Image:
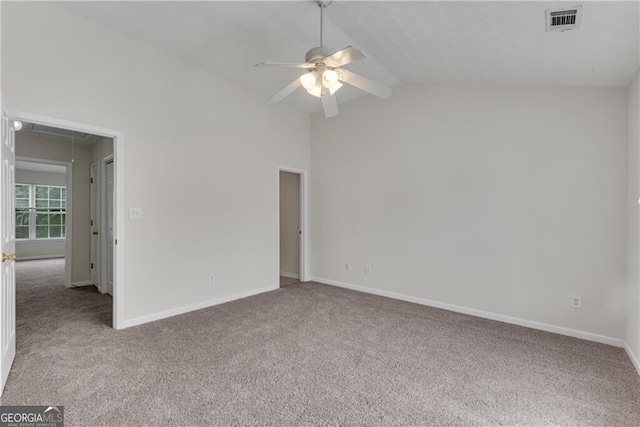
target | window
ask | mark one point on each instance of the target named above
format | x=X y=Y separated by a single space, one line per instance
x=22 y=211
x=41 y=211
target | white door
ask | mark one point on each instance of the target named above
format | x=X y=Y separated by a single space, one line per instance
x=109 y=223
x=95 y=227
x=8 y=247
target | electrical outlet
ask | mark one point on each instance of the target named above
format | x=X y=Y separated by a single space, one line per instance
x=576 y=301
x=212 y=279
x=347 y=266
x=367 y=270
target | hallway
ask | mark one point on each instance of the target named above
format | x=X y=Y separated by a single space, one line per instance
x=44 y=304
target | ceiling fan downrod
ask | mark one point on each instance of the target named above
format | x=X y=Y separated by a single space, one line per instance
x=322 y=4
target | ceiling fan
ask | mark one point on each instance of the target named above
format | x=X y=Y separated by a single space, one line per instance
x=324 y=76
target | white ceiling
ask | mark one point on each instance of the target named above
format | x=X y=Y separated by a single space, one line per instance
x=451 y=41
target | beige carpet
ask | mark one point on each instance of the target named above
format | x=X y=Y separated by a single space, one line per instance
x=286 y=281
x=306 y=354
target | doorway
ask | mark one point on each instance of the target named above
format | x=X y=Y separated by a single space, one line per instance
x=43 y=190
x=292 y=224
x=10 y=124
x=112 y=155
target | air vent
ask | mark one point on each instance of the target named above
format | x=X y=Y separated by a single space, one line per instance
x=564 y=19
x=52 y=131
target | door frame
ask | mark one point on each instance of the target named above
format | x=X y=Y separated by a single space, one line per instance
x=102 y=191
x=119 y=236
x=68 y=268
x=304 y=220
x=96 y=258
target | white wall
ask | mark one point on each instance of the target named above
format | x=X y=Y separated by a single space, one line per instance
x=40 y=249
x=44 y=178
x=36 y=249
x=61 y=150
x=290 y=224
x=501 y=199
x=200 y=157
x=633 y=222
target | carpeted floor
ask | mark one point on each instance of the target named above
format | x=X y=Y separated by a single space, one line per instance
x=286 y=281
x=306 y=354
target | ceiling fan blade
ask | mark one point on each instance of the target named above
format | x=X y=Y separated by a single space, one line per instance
x=329 y=104
x=343 y=57
x=364 y=84
x=286 y=91
x=286 y=64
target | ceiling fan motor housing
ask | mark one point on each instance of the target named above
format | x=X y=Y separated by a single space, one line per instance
x=317 y=54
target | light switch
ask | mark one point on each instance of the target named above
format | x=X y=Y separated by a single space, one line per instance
x=135 y=213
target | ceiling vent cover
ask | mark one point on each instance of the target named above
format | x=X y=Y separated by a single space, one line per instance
x=564 y=19
x=52 y=131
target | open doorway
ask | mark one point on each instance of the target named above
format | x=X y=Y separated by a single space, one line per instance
x=45 y=141
x=292 y=226
x=42 y=189
x=53 y=210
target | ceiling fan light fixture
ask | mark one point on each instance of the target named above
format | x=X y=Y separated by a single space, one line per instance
x=315 y=92
x=308 y=80
x=333 y=89
x=329 y=78
x=316 y=89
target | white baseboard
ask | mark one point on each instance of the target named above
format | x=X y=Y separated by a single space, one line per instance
x=35 y=257
x=633 y=357
x=83 y=283
x=193 y=307
x=478 y=313
x=290 y=275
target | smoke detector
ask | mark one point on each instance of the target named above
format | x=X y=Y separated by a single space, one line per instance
x=564 y=19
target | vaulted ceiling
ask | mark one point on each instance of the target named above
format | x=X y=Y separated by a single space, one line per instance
x=499 y=42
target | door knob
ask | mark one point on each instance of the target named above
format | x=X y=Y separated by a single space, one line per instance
x=95 y=233
x=9 y=257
